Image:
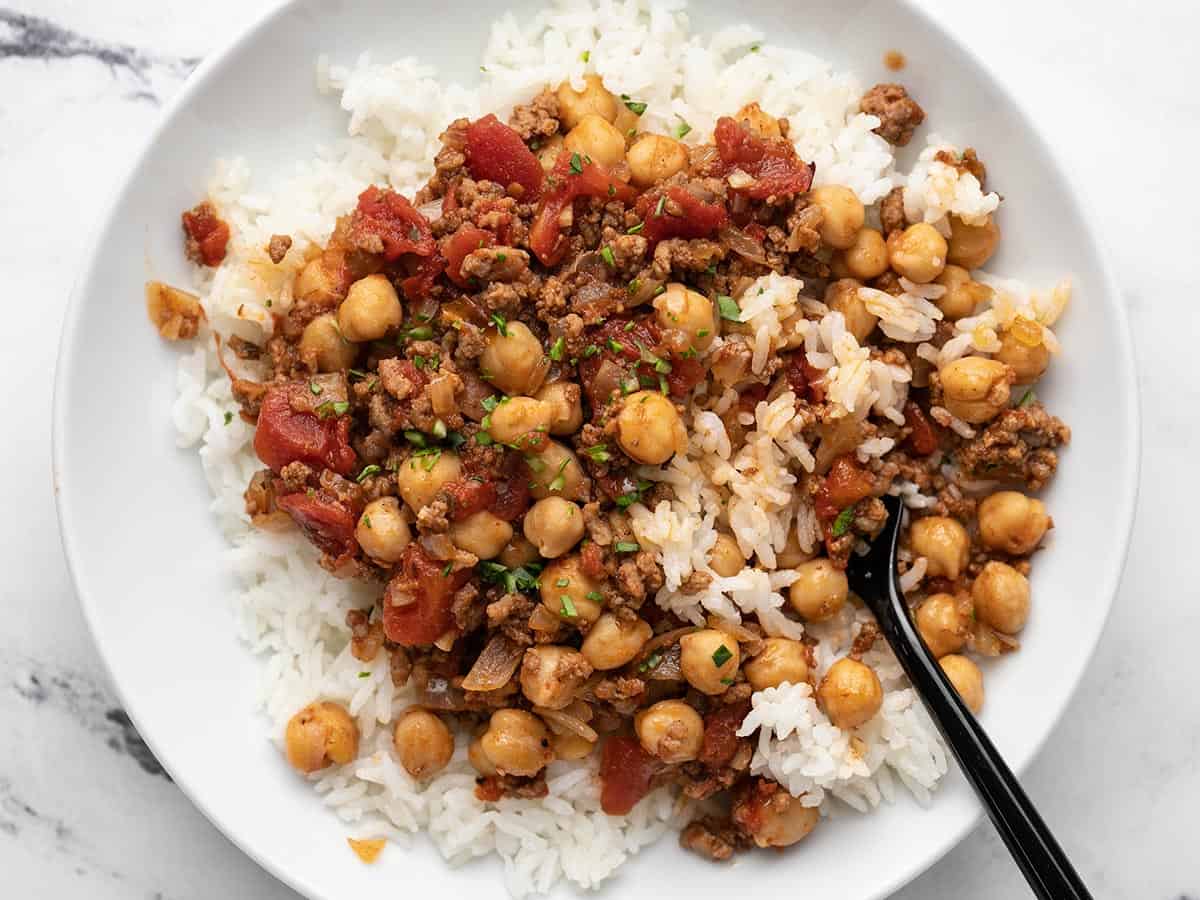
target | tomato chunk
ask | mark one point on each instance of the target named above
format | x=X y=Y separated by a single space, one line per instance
x=328 y=522
x=626 y=771
x=288 y=433
x=207 y=235
x=675 y=212
x=469 y=496
x=720 y=734
x=418 y=285
x=772 y=163
x=459 y=246
x=846 y=484
x=923 y=439
x=386 y=223
x=572 y=177
x=429 y=615
x=806 y=380
x=496 y=153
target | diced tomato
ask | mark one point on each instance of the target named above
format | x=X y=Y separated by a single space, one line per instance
x=459 y=246
x=511 y=484
x=685 y=374
x=207 y=234
x=428 y=616
x=450 y=198
x=675 y=212
x=469 y=496
x=384 y=214
x=803 y=378
x=418 y=285
x=756 y=232
x=772 y=162
x=328 y=522
x=496 y=153
x=846 y=483
x=720 y=734
x=626 y=771
x=285 y=434
x=570 y=178
x=923 y=439
x=619 y=342
x=591 y=559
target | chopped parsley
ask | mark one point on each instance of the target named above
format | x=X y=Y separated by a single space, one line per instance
x=562 y=582
x=456 y=439
x=842 y=523
x=721 y=656
x=590 y=350
x=332 y=408
x=1030 y=397
x=568 y=607
x=501 y=257
x=419 y=361
x=364 y=674
x=315 y=388
x=728 y=308
x=559 y=481
x=634 y=284
x=704 y=332
x=636 y=229
x=537 y=465
x=627 y=546
x=711 y=270
x=367 y=521
x=651 y=662
x=576 y=164
x=228 y=417
x=598 y=453
x=594 y=596
x=414 y=437
x=490 y=403
x=483 y=439
x=754 y=48
x=429 y=457
x=366 y=473
x=636 y=107
x=615 y=346
x=606 y=254
x=447 y=569
x=420 y=333
x=357 y=373
x=501 y=324
x=585 y=55
x=556 y=349
x=726 y=681
x=683 y=128
x=662 y=201
x=628 y=499
x=522 y=578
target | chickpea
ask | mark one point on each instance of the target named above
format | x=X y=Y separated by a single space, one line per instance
x=918 y=252
x=781 y=660
x=670 y=730
x=759 y=122
x=1028 y=363
x=850 y=693
x=423 y=743
x=972 y=245
x=1001 y=596
x=1011 y=522
x=556 y=472
x=843 y=297
x=382 y=530
x=597 y=138
x=975 y=389
x=320 y=735
x=867 y=257
x=725 y=558
x=962 y=294
x=685 y=310
x=654 y=158
x=569 y=593
x=518 y=552
x=554 y=525
x=820 y=592
x=515 y=417
x=792 y=554
x=594 y=99
x=782 y=820
x=966 y=678
x=322 y=341
x=944 y=544
x=482 y=534
x=566 y=410
x=709 y=660
x=626 y=122
x=370 y=310
x=319 y=282
x=418 y=485
x=649 y=429
x=942 y=624
x=549 y=150
x=842 y=214
x=514 y=361
x=477 y=758
x=550 y=675
x=516 y=743
x=571 y=746
x=612 y=642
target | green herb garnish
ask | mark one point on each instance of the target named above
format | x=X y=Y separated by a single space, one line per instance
x=662 y=202
x=606 y=254
x=598 y=453
x=721 y=656
x=522 y=578
x=568 y=607
x=366 y=473
x=315 y=388
x=414 y=437
x=651 y=662
x=728 y=308
x=420 y=333
x=1030 y=397
x=559 y=481
x=556 y=349
x=585 y=55
x=683 y=128
x=627 y=546
x=590 y=350
x=615 y=346
x=636 y=229
x=576 y=164
x=842 y=523
x=228 y=417
x=501 y=324
x=634 y=106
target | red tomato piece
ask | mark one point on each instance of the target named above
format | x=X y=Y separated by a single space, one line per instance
x=496 y=153
x=626 y=771
x=571 y=177
x=675 y=212
x=685 y=374
x=469 y=496
x=459 y=246
x=772 y=162
x=384 y=215
x=429 y=616
x=286 y=434
x=720 y=734
x=846 y=484
x=804 y=379
x=328 y=522
x=207 y=235
x=618 y=343
x=923 y=439
x=591 y=559
x=418 y=285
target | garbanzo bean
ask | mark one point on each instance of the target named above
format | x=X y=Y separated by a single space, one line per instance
x=370 y=310
x=418 y=485
x=709 y=660
x=942 y=623
x=867 y=257
x=685 y=310
x=566 y=408
x=478 y=759
x=850 y=693
x=320 y=735
x=1012 y=522
x=550 y=675
x=653 y=158
x=843 y=296
x=570 y=746
x=382 y=530
x=1028 y=361
x=962 y=294
x=842 y=214
x=759 y=122
x=597 y=138
x=513 y=361
x=944 y=544
x=518 y=552
x=966 y=678
x=971 y=246
x=780 y=660
x=781 y=820
x=554 y=526
x=649 y=429
x=975 y=389
x=569 y=593
x=594 y=99
x=481 y=533
x=725 y=558
x=515 y=417
x=1001 y=596
x=612 y=642
x=670 y=730
x=820 y=592
x=318 y=282
x=548 y=151
x=556 y=472
x=792 y=554
x=516 y=743
x=918 y=252
x=423 y=743
x=322 y=342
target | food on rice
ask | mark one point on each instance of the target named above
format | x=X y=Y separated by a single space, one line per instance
x=543 y=419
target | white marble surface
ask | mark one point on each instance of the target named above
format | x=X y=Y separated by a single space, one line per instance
x=84 y=810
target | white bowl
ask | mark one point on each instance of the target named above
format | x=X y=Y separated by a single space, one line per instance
x=147 y=558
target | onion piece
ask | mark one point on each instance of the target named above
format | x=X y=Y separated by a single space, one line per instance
x=742 y=244
x=431 y=210
x=495 y=666
x=541 y=619
x=667 y=637
x=438 y=693
x=567 y=722
x=442 y=391
x=838 y=437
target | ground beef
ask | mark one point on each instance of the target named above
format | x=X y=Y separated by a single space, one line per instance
x=1019 y=446
x=714 y=839
x=496 y=264
x=278 y=247
x=678 y=255
x=491 y=788
x=433 y=517
x=804 y=227
x=468 y=613
x=968 y=163
x=899 y=114
x=891 y=212
x=537 y=119
x=695 y=583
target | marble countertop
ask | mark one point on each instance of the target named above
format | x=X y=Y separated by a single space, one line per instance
x=84 y=808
